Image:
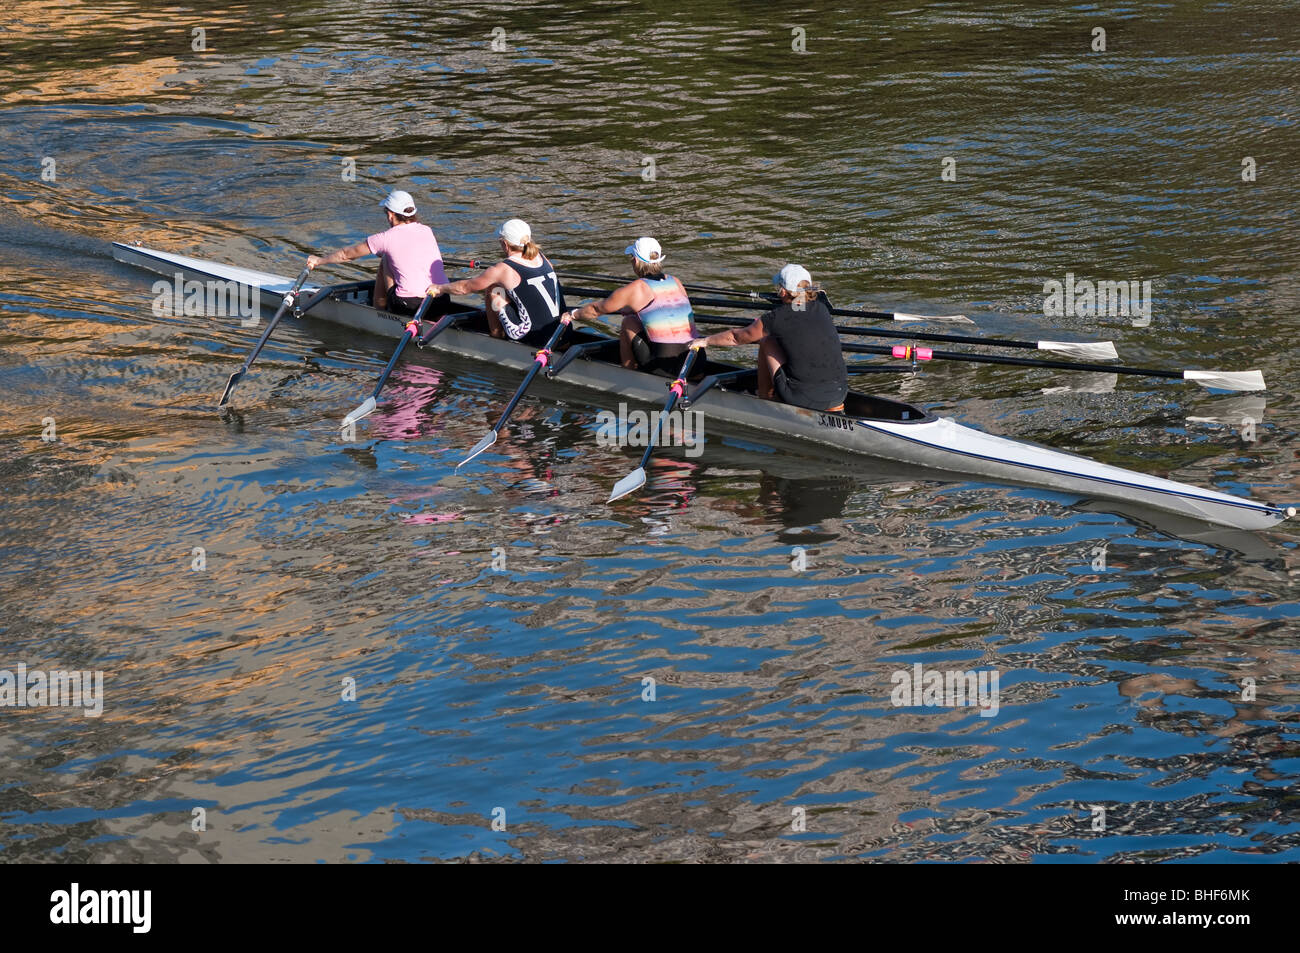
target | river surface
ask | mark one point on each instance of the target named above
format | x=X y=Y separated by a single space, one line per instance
x=315 y=649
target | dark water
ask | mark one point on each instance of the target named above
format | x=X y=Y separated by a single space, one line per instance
x=521 y=687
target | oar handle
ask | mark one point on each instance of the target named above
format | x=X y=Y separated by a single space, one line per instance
x=291 y=295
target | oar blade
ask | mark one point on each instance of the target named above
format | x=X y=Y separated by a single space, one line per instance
x=629 y=484
x=365 y=410
x=1082 y=350
x=230 y=385
x=1227 y=380
x=943 y=318
x=489 y=438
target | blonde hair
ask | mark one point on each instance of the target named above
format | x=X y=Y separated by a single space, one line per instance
x=808 y=292
x=529 y=249
x=647 y=269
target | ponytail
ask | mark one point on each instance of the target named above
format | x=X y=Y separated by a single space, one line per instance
x=530 y=249
x=808 y=293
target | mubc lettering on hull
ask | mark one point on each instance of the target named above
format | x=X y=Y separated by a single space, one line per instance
x=835 y=421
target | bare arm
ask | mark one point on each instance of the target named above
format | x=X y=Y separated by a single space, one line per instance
x=631 y=297
x=750 y=335
x=496 y=275
x=359 y=250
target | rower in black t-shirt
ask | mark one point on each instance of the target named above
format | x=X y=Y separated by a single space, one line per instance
x=799 y=356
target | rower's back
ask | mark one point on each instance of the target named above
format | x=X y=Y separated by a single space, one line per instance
x=813 y=371
x=668 y=318
x=537 y=299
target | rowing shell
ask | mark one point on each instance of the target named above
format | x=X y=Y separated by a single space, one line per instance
x=870 y=426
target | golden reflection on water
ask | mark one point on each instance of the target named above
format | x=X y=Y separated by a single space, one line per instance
x=325 y=561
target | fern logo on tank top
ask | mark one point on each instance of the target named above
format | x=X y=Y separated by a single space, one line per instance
x=520 y=323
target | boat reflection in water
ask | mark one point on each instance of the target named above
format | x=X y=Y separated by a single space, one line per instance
x=445 y=408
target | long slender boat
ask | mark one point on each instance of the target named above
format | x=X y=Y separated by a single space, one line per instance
x=870 y=426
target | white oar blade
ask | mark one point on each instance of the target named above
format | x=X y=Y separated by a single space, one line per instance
x=1084 y=351
x=488 y=439
x=365 y=410
x=1227 y=380
x=629 y=484
x=946 y=318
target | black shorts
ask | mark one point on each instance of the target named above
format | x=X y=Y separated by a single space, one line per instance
x=788 y=393
x=663 y=359
x=406 y=307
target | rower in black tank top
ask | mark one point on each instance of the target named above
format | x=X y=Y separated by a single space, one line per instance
x=536 y=304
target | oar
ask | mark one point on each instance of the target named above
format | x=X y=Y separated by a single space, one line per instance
x=764 y=301
x=289 y=298
x=1092 y=351
x=750 y=299
x=1224 y=380
x=636 y=479
x=542 y=358
x=412 y=329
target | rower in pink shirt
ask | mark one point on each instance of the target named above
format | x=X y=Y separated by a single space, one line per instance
x=409 y=260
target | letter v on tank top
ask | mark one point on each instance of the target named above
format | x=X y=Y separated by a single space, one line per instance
x=668 y=318
x=538 y=301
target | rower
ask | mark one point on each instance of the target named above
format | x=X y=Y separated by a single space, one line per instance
x=658 y=324
x=523 y=297
x=799 y=356
x=408 y=259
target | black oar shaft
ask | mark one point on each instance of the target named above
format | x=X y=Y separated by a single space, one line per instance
x=540 y=361
x=1019 y=361
x=290 y=297
x=761 y=300
x=886 y=333
x=412 y=328
x=747 y=299
x=675 y=391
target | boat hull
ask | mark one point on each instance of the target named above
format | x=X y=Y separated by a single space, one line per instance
x=871 y=427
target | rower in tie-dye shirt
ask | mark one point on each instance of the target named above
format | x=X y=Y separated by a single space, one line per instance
x=658 y=322
x=668 y=318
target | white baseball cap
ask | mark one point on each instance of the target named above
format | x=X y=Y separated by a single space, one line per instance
x=790 y=278
x=647 y=249
x=516 y=232
x=399 y=203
